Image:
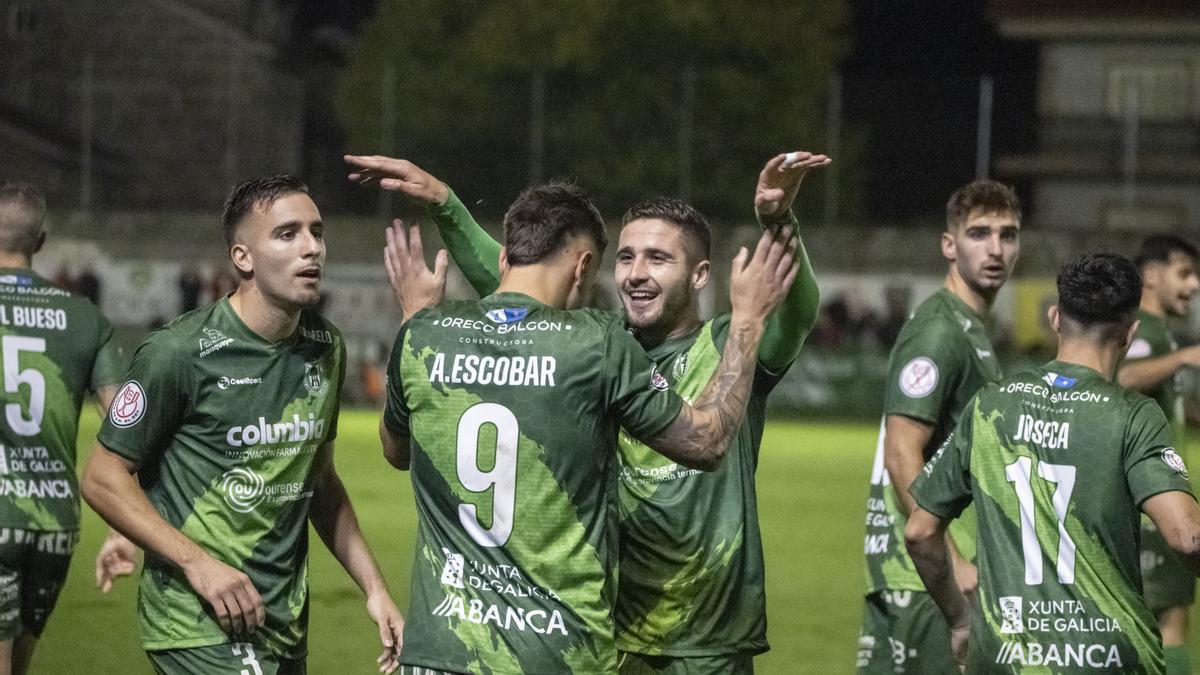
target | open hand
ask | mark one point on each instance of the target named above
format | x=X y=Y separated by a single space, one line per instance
x=780 y=179
x=758 y=283
x=414 y=285
x=397 y=175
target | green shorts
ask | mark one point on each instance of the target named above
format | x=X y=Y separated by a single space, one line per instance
x=33 y=567
x=231 y=658
x=904 y=632
x=1166 y=582
x=739 y=663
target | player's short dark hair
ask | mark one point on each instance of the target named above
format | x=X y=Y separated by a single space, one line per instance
x=988 y=196
x=697 y=236
x=1100 y=293
x=22 y=212
x=543 y=217
x=1157 y=248
x=252 y=194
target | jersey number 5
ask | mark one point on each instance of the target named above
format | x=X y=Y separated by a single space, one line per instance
x=1020 y=474
x=14 y=377
x=501 y=479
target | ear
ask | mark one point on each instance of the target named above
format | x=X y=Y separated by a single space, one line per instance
x=582 y=264
x=1054 y=317
x=949 y=247
x=41 y=241
x=243 y=261
x=503 y=260
x=1129 y=336
x=700 y=274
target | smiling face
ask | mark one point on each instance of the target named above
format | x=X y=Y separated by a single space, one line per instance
x=281 y=247
x=984 y=249
x=656 y=278
x=1174 y=282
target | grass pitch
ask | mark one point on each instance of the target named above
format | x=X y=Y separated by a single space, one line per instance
x=812 y=488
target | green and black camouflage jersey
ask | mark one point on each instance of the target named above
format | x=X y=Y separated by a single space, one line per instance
x=942 y=357
x=55 y=346
x=1058 y=462
x=691 y=580
x=1153 y=340
x=225 y=427
x=513 y=410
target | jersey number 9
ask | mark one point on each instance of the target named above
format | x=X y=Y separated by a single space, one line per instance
x=501 y=479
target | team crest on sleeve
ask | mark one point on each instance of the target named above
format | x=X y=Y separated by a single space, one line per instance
x=1174 y=461
x=128 y=405
x=1138 y=349
x=919 y=377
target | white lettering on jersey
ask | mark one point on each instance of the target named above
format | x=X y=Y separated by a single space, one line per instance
x=1046 y=433
x=514 y=371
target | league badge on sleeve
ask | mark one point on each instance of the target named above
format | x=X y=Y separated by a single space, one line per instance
x=657 y=381
x=1139 y=349
x=128 y=405
x=919 y=377
x=1174 y=461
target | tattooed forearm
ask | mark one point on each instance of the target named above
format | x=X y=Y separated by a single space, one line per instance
x=701 y=434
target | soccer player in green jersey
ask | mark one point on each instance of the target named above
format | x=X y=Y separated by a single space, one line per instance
x=942 y=356
x=54 y=346
x=691 y=594
x=218 y=450
x=517 y=562
x=1058 y=461
x=1169 y=282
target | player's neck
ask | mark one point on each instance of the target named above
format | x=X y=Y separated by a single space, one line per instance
x=1080 y=351
x=266 y=319
x=1152 y=306
x=653 y=336
x=540 y=282
x=15 y=260
x=980 y=302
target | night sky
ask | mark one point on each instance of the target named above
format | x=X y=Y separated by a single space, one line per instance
x=910 y=85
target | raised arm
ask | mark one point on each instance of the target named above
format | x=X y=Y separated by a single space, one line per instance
x=473 y=249
x=700 y=435
x=332 y=516
x=778 y=183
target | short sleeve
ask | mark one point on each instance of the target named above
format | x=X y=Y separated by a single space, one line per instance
x=148 y=409
x=636 y=393
x=1152 y=466
x=924 y=370
x=109 y=366
x=337 y=397
x=943 y=487
x=396 y=412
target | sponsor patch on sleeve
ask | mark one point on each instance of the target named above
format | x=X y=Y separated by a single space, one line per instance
x=1138 y=349
x=1174 y=461
x=657 y=381
x=128 y=405
x=919 y=377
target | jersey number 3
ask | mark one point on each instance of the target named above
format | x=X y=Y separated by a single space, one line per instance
x=1020 y=474
x=14 y=377
x=501 y=479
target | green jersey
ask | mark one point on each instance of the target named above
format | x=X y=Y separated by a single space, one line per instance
x=225 y=426
x=55 y=346
x=691 y=579
x=1153 y=340
x=513 y=409
x=1058 y=461
x=942 y=357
